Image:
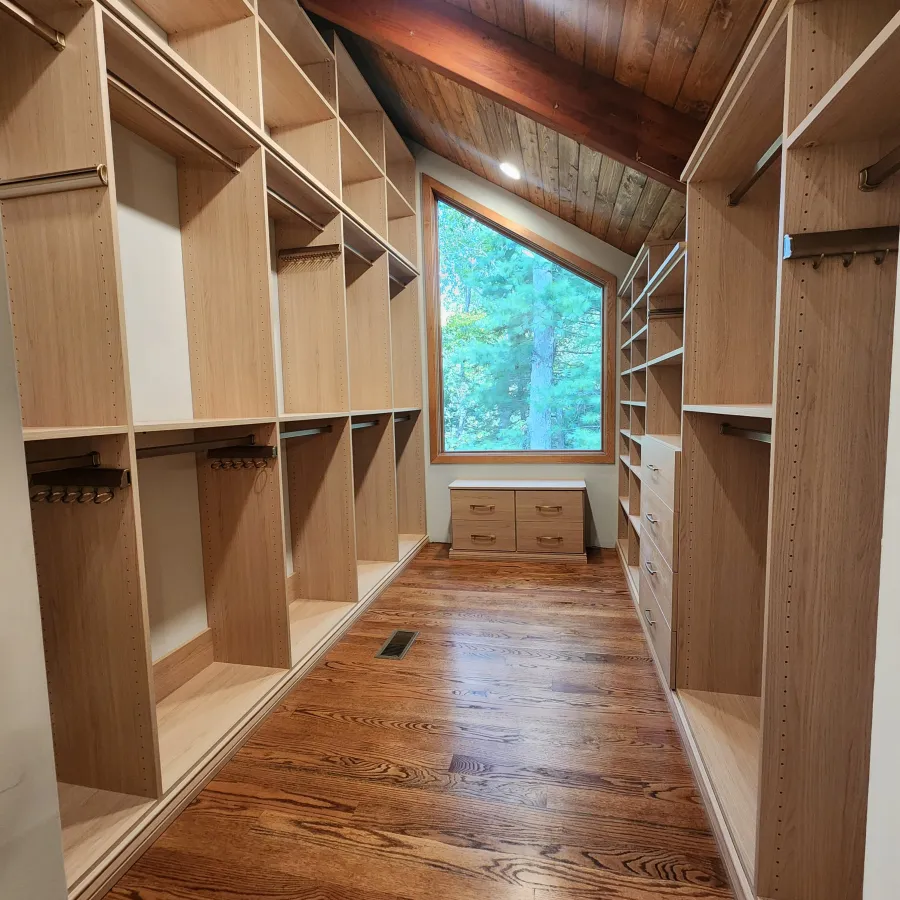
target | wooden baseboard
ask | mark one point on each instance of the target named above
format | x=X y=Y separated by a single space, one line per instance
x=182 y=664
x=497 y=555
x=110 y=868
x=737 y=875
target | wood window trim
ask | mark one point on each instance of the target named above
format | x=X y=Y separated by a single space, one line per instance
x=432 y=191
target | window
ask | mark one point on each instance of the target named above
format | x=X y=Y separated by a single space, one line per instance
x=520 y=367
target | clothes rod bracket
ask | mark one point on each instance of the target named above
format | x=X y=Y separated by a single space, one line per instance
x=53 y=37
x=763 y=164
x=55 y=182
x=847 y=244
x=748 y=434
x=872 y=177
x=305 y=432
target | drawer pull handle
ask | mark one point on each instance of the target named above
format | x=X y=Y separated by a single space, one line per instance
x=652 y=468
x=490 y=538
x=548 y=508
x=651 y=519
x=650 y=568
x=488 y=506
x=548 y=538
x=649 y=617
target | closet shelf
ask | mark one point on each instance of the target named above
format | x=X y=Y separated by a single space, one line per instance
x=290 y=99
x=357 y=164
x=623 y=502
x=175 y=16
x=864 y=103
x=668 y=279
x=295 y=32
x=635 y=470
x=673 y=440
x=625 y=459
x=400 y=269
x=71 y=431
x=752 y=410
x=405 y=409
x=186 y=424
x=398 y=206
x=726 y=728
x=638 y=403
x=672 y=358
x=635 y=524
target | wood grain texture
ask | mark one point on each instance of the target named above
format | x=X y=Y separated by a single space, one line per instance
x=182 y=664
x=101 y=691
x=225 y=243
x=540 y=759
x=409 y=440
x=551 y=88
x=319 y=473
x=243 y=559
x=375 y=489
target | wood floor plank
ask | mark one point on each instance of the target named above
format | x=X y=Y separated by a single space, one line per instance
x=522 y=750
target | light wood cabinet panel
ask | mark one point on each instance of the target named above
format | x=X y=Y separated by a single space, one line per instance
x=659 y=469
x=655 y=568
x=655 y=626
x=482 y=535
x=484 y=506
x=658 y=522
x=565 y=536
x=549 y=506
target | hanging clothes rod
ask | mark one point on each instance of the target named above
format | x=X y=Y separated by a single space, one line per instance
x=763 y=164
x=305 y=432
x=666 y=313
x=54 y=38
x=748 y=434
x=396 y=280
x=161 y=115
x=402 y=418
x=356 y=253
x=847 y=244
x=243 y=442
x=875 y=175
x=84 y=461
x=290 y=207
x=55 y=182
x=357 y=425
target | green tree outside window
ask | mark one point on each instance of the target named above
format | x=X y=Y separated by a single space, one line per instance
x=522 y=355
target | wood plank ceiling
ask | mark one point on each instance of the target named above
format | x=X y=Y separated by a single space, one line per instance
x=679 y=52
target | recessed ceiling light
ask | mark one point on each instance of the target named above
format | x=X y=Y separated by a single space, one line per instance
x=507 y=168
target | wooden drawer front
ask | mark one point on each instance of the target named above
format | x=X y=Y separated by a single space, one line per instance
x=659 y=464
x=481 y=535
x=658 y=521
x=549 y=506
x=563 y=536
x=659 y=576
x=655 y=626
x=484 y=506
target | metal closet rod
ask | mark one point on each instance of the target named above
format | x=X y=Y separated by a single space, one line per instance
x=55 y=182
x=294 y=209
x=748 y=434
x=159 y=113
x=402 y=418
x=847 y=244
x=53 y=37
x=356 y=253
x=84 y=461
x=355 y=426
x=245 y=442
x=305 y=432
x=763 y=164
x=875 y=175
x=666 y=313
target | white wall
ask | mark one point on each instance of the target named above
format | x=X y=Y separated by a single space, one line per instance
x=883 y=827
x=153 y=279
x=31 y=861
x=602 y=481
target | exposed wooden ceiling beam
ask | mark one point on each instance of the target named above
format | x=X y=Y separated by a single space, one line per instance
x=591 y=109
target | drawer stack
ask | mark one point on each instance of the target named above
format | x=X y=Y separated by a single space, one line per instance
x=659 y=547
x=518 y=519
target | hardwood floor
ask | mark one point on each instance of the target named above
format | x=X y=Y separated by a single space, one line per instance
x=522 y=750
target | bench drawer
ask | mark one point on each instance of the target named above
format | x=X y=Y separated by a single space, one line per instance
x=484 y=506
x=550 y=506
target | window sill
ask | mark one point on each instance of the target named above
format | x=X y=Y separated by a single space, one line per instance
x=526 y=457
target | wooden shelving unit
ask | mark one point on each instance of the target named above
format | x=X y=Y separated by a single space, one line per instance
x=776 y=549
x=217 y=314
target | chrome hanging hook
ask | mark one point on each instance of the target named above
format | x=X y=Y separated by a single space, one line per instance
x=849 y=259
